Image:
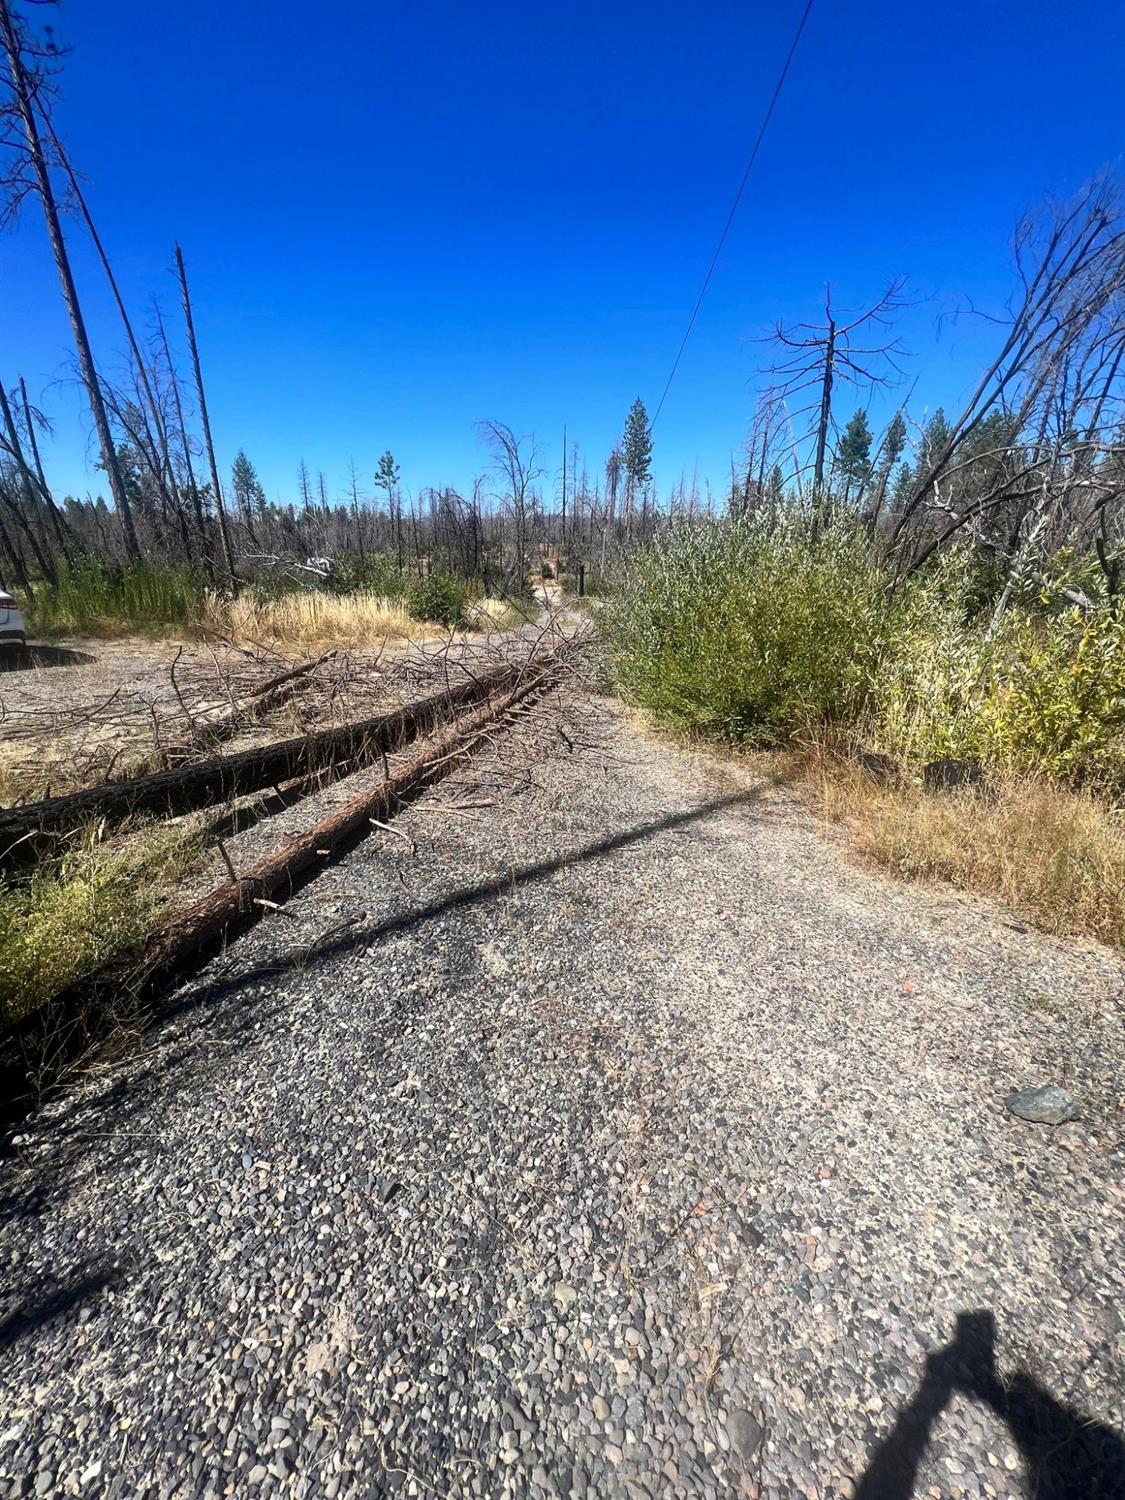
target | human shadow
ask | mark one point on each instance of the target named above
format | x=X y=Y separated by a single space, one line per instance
x=36 y=654
x=54 y=1302
x=1067 y=1455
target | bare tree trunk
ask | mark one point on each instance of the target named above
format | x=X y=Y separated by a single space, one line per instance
x=193 y=347
x=66 y=279
x=9 y=545
x=127 y=324
x=22 y=522
x=825 y=416
x=193 y=488
x=57 y=521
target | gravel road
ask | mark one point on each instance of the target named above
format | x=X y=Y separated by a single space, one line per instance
x=619 y=1138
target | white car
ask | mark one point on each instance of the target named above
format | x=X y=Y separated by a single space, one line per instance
x=13 y=631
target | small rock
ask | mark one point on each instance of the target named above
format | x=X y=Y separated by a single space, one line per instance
x=953 y=775
x=1045 y=1104
x=745 y=1433
x=565 y=1294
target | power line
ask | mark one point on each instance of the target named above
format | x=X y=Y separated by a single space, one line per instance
x=730 y=217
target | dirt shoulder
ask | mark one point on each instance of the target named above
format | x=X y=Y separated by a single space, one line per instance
x=612 y=1136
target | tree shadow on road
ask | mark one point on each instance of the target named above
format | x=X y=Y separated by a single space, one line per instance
x=50 y=1303
x=25 y=658
x=365 y=936
x=1067 y=1455
x=221 y=1030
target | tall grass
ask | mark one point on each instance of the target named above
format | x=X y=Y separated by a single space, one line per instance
x=351 y=607
x=95 y=598
x=1053 y=855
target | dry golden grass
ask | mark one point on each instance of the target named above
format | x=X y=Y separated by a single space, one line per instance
x=1054 y=856
x=312 y=619
x=495 y=614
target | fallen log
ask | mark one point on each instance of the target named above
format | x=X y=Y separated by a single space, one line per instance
x=40 y=1048
x=241 y=901
x=218 y=778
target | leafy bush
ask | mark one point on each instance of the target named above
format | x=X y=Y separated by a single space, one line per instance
x=756 y=632
x=752 y=631
x=439 y=596
x=1046 y=693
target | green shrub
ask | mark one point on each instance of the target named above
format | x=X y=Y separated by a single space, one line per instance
x=74 y=916
x=440 y=597
x=1046 y=693
x=750 y=630
x=756 y=632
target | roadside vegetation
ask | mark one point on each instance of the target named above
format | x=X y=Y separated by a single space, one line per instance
x=790 y=632
x=347 y=606
x=72 y=916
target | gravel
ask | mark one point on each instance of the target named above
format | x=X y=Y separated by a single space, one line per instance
x=624 y=1139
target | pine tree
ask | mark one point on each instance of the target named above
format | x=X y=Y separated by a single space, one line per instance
x=636 y=447
x=853 y=457
x=934 y=438
x=902 y=489
x=248 y=493
x=775 y=486
x=895 y=441
x=386 y=479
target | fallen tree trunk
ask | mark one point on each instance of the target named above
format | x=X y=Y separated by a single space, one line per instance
x=41 y=1047
x=241 y=901
x=219 y=778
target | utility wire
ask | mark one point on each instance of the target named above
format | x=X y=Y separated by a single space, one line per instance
x=730 y=216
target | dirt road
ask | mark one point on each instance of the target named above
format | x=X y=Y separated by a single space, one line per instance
x=617 y=1138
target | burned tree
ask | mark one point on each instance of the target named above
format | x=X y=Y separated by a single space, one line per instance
x=25 y=91
x=1035 y=455
x=822 y=356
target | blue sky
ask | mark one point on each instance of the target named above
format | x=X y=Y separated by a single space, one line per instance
x=399 y=219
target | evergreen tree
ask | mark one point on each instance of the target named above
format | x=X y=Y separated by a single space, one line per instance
x=386 y=478
x=934 y=438
x=775 y=486
x=636 y=447
x=895 y=441
x=387 y=474
x=853 y=457
x=902 y=489
x=248 y=493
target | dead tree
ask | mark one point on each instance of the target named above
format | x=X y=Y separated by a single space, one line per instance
x=189 y=468
x=823 y=355
x=28 y=85
x=33 y=482
x=516 y=462
x=201 y=399
x=1031 y=441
